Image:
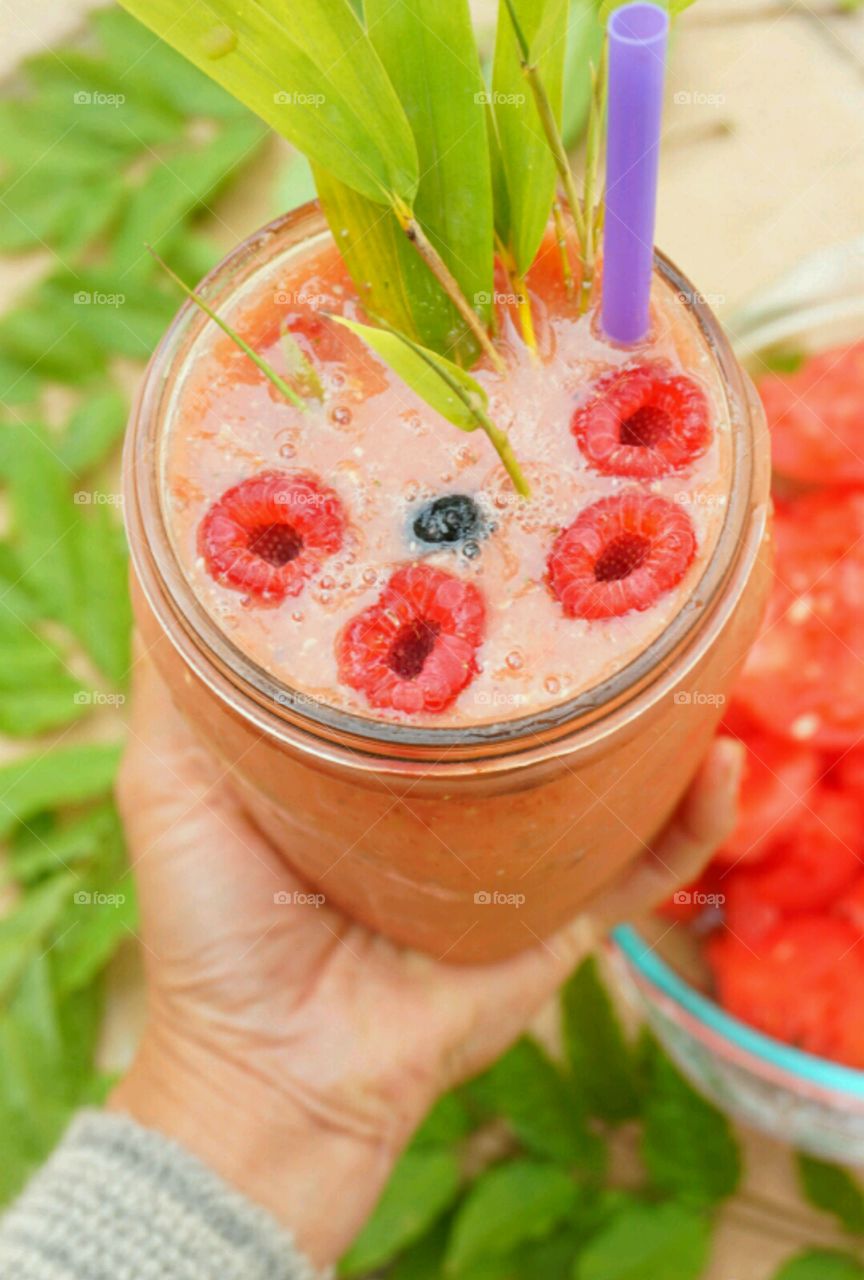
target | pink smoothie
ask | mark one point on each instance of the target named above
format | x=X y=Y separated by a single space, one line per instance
x=387 y=455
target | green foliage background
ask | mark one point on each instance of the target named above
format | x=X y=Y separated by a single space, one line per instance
x=105 y=143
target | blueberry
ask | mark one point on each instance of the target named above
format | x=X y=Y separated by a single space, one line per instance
x=455 y=518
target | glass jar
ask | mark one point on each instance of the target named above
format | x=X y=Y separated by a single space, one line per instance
x=469 y=843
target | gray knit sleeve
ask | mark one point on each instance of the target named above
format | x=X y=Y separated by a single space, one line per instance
x=120 y=1202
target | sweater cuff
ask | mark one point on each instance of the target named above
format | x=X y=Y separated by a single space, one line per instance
x=117 y=1201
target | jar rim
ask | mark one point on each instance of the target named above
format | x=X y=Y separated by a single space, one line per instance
x=282 y=709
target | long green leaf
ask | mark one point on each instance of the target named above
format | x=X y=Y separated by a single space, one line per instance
x=314 y=76
x=529 y=166
x=393 y=281
x=429 y=52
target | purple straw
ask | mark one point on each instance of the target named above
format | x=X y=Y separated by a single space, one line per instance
x=638 y=35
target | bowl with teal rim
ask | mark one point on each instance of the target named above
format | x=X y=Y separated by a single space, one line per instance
x=811 y=1102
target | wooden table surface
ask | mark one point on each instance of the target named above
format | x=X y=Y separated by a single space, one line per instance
x=763 y=162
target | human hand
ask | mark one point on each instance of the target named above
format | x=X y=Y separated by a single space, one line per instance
x=288 y=1047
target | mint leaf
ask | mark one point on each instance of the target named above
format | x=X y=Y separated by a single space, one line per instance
x=530 y=1091
x=507 y=1206
x=833 y=1190
x=423 y=1185
x=43 y=848
x=103 y=914
x=648 y=1242
x=93 y=431
x=602 y=1063
x=25 y=929
x=687 y=1144
x=49 y=780
x=103 y=613
x=448 y=1122
x=821 y=1264
x=37 y=690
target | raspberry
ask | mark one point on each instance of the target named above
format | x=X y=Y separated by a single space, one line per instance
x=268 y=534
x=643 y=421
x=815 y=417
x=414 y=650
x=619 y=554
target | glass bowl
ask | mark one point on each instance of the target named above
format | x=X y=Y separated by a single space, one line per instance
x=813 y=1103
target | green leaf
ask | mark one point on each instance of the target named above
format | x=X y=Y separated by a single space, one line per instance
x=833 y=1190
x=429 y=51
x=183 y=181
x=821 y=1264
x=24 y=929
x=507 y=1206
x=529 y=1090
x=37 y=690
x=448 y=1122
x=423 y=1184
x=104 y=913
x=103 y=615
x=528 y=164
x=394 y=282
x=296 y=76
x=584 y=45
x=35 y=853
x=445 y=387
x=93 y=431
x=50 y=780
x=648 y=1242
x=602 y=1063
x=43 y=515
x=687 y=1144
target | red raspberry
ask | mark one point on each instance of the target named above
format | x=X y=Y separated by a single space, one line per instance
x=268 y=534
x=620 y=554
x=643 y=421
x=414 y=650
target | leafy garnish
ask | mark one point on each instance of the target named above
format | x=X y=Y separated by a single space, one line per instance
x=452 y=392
x=833 y=1190
x=602 y=1063
x=424 y=1184
x=821 y=1264
x=260 y=363
x=648 y=1242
